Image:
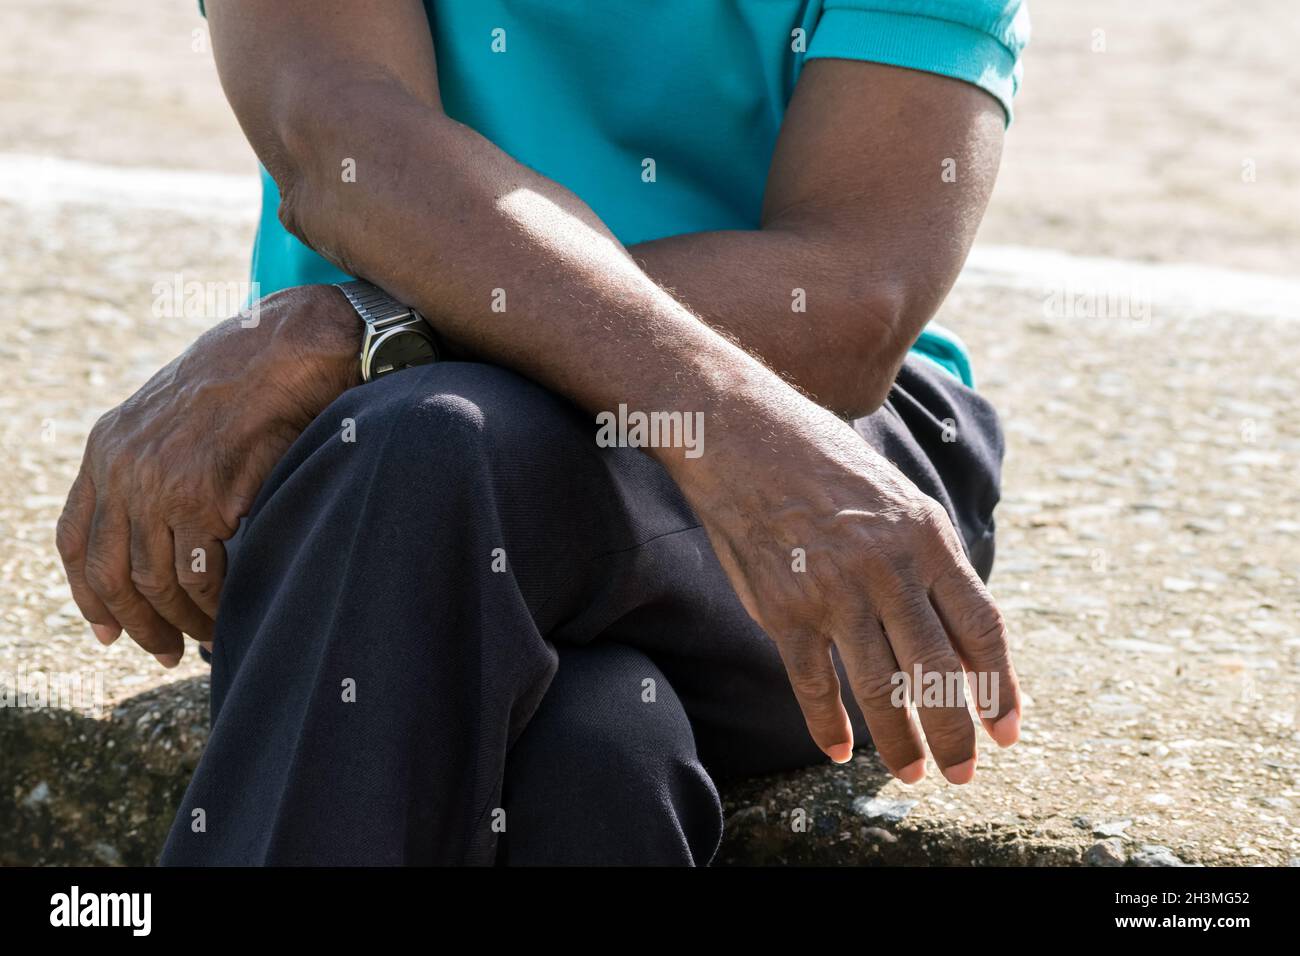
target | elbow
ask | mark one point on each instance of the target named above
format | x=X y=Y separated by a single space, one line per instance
x=302 y=210
x=871 y=341
x=296 y=137
x=323 y=139
x=295 y=125
x=305 y=132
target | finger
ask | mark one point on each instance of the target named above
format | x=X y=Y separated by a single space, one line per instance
x=71 y=536
x=817 y=689
x=876 y=681
x=976 y=629
x=108 y=573
x=153 y=572
x=923 y=651
x=200 y=562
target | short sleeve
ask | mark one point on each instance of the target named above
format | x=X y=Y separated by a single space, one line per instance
x=979 y=41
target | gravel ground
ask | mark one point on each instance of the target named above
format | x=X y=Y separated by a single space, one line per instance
x=1150 y=522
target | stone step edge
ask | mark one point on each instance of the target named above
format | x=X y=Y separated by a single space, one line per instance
x=85 y=790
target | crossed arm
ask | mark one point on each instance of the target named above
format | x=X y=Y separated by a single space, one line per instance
x=855 y=213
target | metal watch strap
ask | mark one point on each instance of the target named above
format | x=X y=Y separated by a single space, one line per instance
x=375 y=306
x=384 y=317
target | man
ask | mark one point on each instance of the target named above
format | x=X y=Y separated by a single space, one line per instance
x=456 y=625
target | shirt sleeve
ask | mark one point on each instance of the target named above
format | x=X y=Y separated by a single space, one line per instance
x=979 y=41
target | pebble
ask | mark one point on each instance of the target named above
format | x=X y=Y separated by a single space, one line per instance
x=1106 y=853
x=107 y=854
x=883 y=808
x=40 y=794
x=1153 y=855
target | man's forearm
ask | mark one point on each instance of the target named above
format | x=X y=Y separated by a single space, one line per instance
x=835 y=331
x=505 y=262
x=831 y=314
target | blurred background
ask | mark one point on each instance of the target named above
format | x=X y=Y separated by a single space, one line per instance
x=1133 y=308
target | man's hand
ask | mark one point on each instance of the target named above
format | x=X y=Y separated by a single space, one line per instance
x=827 y=543
x=168 y=474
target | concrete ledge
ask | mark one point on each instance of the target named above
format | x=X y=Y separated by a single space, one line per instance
x=98 y=791
x=849 y=816
x=102 y=791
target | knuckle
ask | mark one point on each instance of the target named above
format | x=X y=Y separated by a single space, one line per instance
x=203 y=588
x=890 y=564
x=942 y=679
x=986 y=634
x=912 y=603
x=107 y=582
x=151 y=585
x=179 y=503
x=952 y=740
x=930 y=521
x=988 y=627
x=69 y=539
x=914 y=629
x=117 y=480
x=816 y=687
x=880 y=695
x=102 y=424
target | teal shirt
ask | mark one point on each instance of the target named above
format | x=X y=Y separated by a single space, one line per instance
x=586 y=92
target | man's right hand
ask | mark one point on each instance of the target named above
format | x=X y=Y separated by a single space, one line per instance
x=168 y=474
x=881 y=575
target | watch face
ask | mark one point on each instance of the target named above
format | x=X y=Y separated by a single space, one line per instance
x=401 y=348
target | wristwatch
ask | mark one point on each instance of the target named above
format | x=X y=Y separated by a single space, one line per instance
x=396 y=336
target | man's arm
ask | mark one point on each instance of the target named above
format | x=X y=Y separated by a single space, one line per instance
x=859 y=215
x=856 y=213
x=441 y=218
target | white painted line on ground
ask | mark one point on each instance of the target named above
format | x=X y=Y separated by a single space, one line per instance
x=1188 y=290
x=1184 y=289
x=36 y=181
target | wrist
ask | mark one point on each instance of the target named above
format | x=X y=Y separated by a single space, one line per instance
x=735 y=399
x=753 y=421
x=318 y=340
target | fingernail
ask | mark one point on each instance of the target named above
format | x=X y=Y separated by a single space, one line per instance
x=168 y=660
x=1006 y=731
x=913 y=772
x=840 y=753
x=963 y=772
x=106 y=633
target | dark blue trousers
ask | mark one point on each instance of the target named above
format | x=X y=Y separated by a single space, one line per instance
x=455 y=630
